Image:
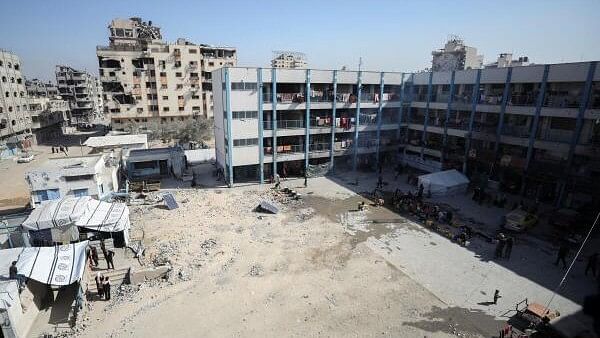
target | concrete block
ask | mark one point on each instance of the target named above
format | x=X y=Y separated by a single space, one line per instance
x=141 y=275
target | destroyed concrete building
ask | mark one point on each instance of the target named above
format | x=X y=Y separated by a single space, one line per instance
x=95 y=176
x=536 y=124
x=455 y=56
x=15 y=122
x=39 y=88
x=288 y=59
x=149 y=82
x=156 y=163
x=49 y=118
x=506 y=60
x=83 y=92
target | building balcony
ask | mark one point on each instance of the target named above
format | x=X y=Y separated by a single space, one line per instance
x=493 y=99
x=319 y=147
x=285 y=149
x=285 y=124
x=556 y=135
x=516 y=131
x=561 y=101
x=522 y=99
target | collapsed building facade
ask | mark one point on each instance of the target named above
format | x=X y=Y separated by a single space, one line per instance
x=15 y=122
x=148 y=82
x=533 y=129
x=83 y=92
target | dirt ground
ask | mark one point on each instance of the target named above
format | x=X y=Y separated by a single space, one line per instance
x=237 y=272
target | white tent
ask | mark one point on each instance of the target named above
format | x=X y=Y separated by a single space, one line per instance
x=80 y=211
x=443 y=183
x=58 y=265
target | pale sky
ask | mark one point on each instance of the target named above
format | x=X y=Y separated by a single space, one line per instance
x=389 y=35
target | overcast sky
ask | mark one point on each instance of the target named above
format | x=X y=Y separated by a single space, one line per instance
x=392 y=35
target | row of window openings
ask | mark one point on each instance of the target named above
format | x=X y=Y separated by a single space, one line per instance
x=12 y=80
x=144 y=120
x=15 y=94
x=17 y=108
x=180 y=97
x=166 y=109
x=10 y=65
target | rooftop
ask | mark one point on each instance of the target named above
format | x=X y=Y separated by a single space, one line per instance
x=115 y=140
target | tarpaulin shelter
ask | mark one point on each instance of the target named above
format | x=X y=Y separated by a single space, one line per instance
x=444 y=183
x=70 y=213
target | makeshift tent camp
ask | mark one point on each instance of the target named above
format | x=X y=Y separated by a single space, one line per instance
x=444 y=183
x=82 y=212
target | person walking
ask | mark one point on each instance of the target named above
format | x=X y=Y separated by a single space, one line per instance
x=13 y=271
x=109 y=259
x=500 y=245
x=563 y=251
x=99 y=279
x=420 y=193
x=509 y=245
x=496 y=296
x=305 y=180
x=94 y=255
x=592 y=263
x=106 y=288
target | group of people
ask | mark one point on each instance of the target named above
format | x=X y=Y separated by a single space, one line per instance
x=108 y=256
x=504 y=246
x=414 y=204
x=60 y=149
x=103 y=286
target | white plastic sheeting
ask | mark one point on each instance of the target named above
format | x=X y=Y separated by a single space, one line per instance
x=444 y=183
x=79 y=211
x=58 y=265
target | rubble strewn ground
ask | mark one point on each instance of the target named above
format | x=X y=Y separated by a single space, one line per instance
x=318 y=267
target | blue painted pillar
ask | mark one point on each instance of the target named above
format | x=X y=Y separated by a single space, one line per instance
x=274 y=117
x=505 y=95
x=448 y=112
x=474 y=100
x=587 y=91
x=379 y=113
x=426 y=122
x=261 y=147
x=229 y=136
x=357 y=122
x=536 y=119
x=307 y=122
x=411 y=96
x=401 y=110
x=333 y=116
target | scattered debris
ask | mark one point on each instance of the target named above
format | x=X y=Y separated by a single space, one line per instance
x=208 y=244
x=305 y=214
x=169 y=200
x=267 y=207
x=256 y=270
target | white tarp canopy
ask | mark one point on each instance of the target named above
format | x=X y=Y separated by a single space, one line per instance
x=443 y=183
x=58 y=265
x=79 y=211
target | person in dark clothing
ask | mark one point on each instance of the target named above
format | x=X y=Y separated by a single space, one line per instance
x=13 y=271
x=563 y=251
x=398 y=171
x=53 y=150
x=99 y=279
x=380 y=182
x=496 y=296
x=305 y=181
x=109 y=259
x=500 y=245
x=106 y=288
x=420 y=193
x=509 y=244
x=592 y=263
x=94 y=255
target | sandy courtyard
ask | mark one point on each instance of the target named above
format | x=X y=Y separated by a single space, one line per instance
x=298 y=273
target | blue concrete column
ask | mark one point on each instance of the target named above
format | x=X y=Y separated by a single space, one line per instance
x=474 y=100
x=401 y=110
x=536 y=119
x=357 y=122
x=410 y=99
x=587 y=91
x=505 y=95
x=274 y=117
x=307 y=122
x=333 y=116
x=448 y=112
x=379 y=113
x=261 y=148
x=229 y=121
x=426 y=122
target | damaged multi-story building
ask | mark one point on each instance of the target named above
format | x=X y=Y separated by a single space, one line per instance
x=49 y=117
x=39 y=88
x=455 y=56
x=15 y=123
x=532 y=129
x=148 y=82
x=83 y=92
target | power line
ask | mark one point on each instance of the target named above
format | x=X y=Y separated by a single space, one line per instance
x=571 y=265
